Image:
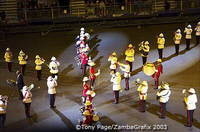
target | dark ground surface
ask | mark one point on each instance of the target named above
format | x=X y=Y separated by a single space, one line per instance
x=181 y=71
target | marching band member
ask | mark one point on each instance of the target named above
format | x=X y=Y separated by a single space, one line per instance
x=197 y=29
x=22 y=61
x=92 y=73
x=144 y=50
x=84 y=62
x=3 y=106
x=177 y=40
x=161 y=45
x=116 y=80
x=20 y=83
x=190 y=101
x=126 y=69
x=87 y=120
x=142 y=89
x=53 y=66
x=163 y=97
x=113 y=59
x=27 y=99
x=86 y=87
x=90 y=95
x=129 y=53
x=8 y=59
x=39 y=61
x=159 y=71
x=52 y=84
x=188 y=36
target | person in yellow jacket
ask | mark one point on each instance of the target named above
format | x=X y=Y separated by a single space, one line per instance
x=161 y=45
x=39 y=61
x=144 y=50
x=113 y=60
x=22 y=58
x=8 y=59
x=177 y=40
x=129 y=53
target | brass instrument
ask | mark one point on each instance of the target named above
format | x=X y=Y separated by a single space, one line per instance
x=149 y=69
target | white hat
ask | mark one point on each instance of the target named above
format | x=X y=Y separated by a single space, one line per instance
x=191 y=90
x=21 y=52
x=114 y=53
x=8 y=49
x=130 y=46
x=1 y=96
x=37 y=57
x=82 y=29
x=159 y=60
x=146 y=42
x=85 y=79
x=178 y=31
x=53 y=58
x=161 y=35
x=189 y=26
x=91 y=63
x=198 y=23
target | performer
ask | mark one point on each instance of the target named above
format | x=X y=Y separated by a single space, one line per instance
x=84 y=62
x=159 y=71
x=126 y=69
x=52 y=84
x=116 y=80
x=3 y=106
x=20 y=83
x=163 y=97
x=161 y=45
x=86 y=87
x=197 y=29
x=177 y=40
x=113 y=59
x=27 y=100
x=87 y=120
x=144 y=50
x=8 y=59
x=190 y=101
x=129 y=53
x=142 y=89
x=90 y=95
x=188 y=31
x=22 y=61
x=92 y=73
x=53 y=66
x=39 y=61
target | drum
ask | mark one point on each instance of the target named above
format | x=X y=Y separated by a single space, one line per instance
x=149 y=69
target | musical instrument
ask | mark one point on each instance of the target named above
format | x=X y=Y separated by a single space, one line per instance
x=149 y=69
x=11 y=83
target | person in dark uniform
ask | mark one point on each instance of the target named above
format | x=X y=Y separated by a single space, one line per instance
x=20 y=83
x=144 y=50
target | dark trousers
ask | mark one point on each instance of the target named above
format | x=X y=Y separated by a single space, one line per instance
x=20 y=93
x=9 y=64
x=53 y=75
x=197 y=40
x=190 y=117
x=52 y=98
x=83 y=67
x=187 y=44
x=27 y=109
x=142 y=105
x=2 y=120
x=130 y=64
x=92 y=81
x=127 y=83
x=144 y=59
x=177 y=49
x=39 y=74
x=160 y=52
x=23 y=68
x=116 y=96
x=156 y=81
x=162 y=109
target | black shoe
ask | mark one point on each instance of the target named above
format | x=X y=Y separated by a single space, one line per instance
x=161 y=117
x=53 y=107
x=187 y=125
x=115 y=102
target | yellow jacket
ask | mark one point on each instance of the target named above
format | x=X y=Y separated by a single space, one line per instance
x=129 y=55
x=161 y=43
x=39 y=63
x=22 y=59
x=177 y=38
x=8 y=56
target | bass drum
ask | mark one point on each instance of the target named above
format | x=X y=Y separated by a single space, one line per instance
x=149 y=69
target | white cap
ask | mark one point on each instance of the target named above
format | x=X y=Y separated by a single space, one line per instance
x=178 y=31
x=161 y=35
x=21 y=52
x=85 y=79
x=146 y=42
x=189 y=26
x=53 y=58
x=1 y=96
x=159 y=60
x=8 y=49
x=198 y=23
x=37 y=57
x=82 y=29
x=191 y=90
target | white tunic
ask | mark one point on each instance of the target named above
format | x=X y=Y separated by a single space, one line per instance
x=51 y=83
x=197 y=29
x=188 y=32
x=53 y=66
x=191 y=101
x=116 y=83
x=164 y=95
x=3 y=107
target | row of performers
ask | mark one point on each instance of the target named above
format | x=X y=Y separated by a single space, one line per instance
x=39 y=61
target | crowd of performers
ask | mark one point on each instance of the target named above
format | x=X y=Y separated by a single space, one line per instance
x=89 y=76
